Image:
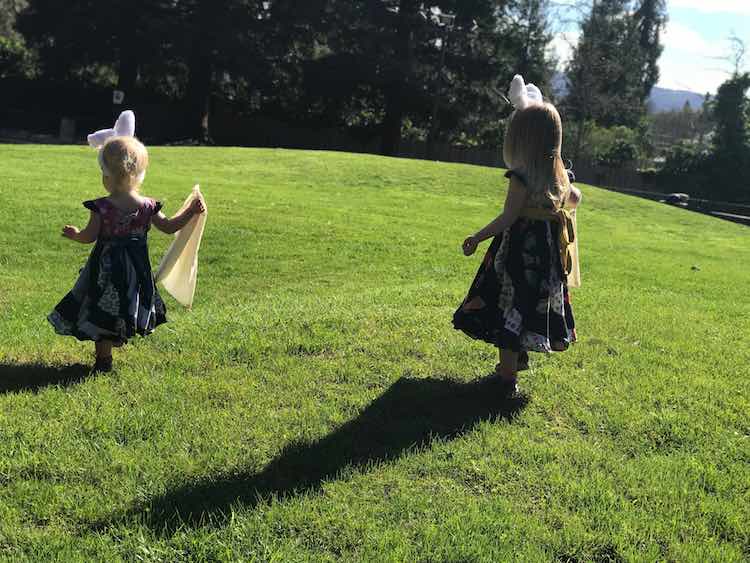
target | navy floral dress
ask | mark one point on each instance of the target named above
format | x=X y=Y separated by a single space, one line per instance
x=115 y=296
x=519 y=299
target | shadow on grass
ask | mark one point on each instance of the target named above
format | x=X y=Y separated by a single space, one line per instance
x=409 y=415
x=33 y=377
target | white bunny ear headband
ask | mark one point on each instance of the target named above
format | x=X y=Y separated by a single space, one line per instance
x=523 y=95
x=124 y=127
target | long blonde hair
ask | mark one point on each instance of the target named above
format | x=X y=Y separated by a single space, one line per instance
x=124 y=160
x=532 y=147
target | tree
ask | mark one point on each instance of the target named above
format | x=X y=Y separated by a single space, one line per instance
x=650 y=19
x=731 y=112
x=377 y=67
x=77 y=37
x=690 y=125
x=15 y=58
x=723 y=172
x=9 y=10
x=389 y=63
x=181 y=47
x=531 y=29
x=614 y=66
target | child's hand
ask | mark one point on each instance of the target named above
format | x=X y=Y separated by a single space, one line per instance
x=71 y=232
x=196 y=208
x=470 y=246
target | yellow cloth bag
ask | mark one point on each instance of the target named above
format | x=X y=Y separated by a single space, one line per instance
x=178 y=270
x=568 y=242
x=574 y=276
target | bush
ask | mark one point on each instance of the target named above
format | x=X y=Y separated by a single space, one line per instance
x=684 y=158
x=613 y=147
x=619 y=154
x=685 y=169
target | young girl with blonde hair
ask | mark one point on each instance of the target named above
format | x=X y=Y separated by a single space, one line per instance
x=115 y=296
x=519 y=298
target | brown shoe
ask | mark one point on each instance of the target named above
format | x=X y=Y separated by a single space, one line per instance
x=103 y=364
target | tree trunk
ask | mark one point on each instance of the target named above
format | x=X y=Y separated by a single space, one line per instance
x=394 y=93
x=206 y=28
x=130 y=55
x=434 y=118
x=394 y=115
x=128 y=73
x=197 y=99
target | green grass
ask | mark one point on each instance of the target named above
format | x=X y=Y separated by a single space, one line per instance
x=316 y=405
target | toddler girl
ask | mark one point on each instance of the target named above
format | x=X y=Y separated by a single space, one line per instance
x=519 y=299
x=115 y=297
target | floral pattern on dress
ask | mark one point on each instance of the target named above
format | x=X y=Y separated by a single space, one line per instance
x=518 y=298
x=110 y=301
x=115 y=296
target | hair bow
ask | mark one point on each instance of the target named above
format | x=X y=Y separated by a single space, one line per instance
x=523 y=95
x=124 y=127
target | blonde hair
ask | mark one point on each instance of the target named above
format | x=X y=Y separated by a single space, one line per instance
x=532 y=147
x=124 y=159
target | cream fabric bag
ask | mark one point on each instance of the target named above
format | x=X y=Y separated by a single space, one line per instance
x=574 y=277
x=178 y=270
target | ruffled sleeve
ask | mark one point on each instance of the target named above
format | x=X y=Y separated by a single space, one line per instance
x=511 y=173
x=92 y=205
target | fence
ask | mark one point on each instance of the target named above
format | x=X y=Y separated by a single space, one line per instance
x=230 y=129
x=161 y=124
x=590 y=173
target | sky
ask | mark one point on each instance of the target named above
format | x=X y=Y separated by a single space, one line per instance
x=695 y=42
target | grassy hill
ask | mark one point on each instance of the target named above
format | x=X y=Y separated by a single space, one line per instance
x=316 y=404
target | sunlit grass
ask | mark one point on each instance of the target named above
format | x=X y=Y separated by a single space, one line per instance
x=316 y=403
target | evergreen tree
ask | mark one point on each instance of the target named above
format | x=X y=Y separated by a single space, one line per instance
x=80 y=38
x=730 y=163
x=650 y=19
x=391 y=63
x=731 y=111
x=375 y=65
x=614 y=66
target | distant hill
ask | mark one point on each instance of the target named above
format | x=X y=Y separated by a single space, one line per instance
x=661 y=99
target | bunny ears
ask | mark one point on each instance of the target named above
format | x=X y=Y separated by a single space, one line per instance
x=124 y=127
x=523 y=95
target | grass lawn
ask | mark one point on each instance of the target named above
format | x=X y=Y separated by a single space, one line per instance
x=316 y=404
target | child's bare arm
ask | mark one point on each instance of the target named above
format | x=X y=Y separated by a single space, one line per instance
x=170 y=226
x=89 y=233
x=514 y=203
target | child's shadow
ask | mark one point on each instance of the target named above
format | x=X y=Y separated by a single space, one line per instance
x=15 y=378
x=409 y=415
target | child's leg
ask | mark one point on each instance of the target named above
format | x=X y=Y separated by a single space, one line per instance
x=508 y=366
x=103 y=356
x=104 y=349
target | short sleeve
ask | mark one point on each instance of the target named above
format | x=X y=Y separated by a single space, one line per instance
x=92 y=205
x=512 y=173
x=156 y=206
